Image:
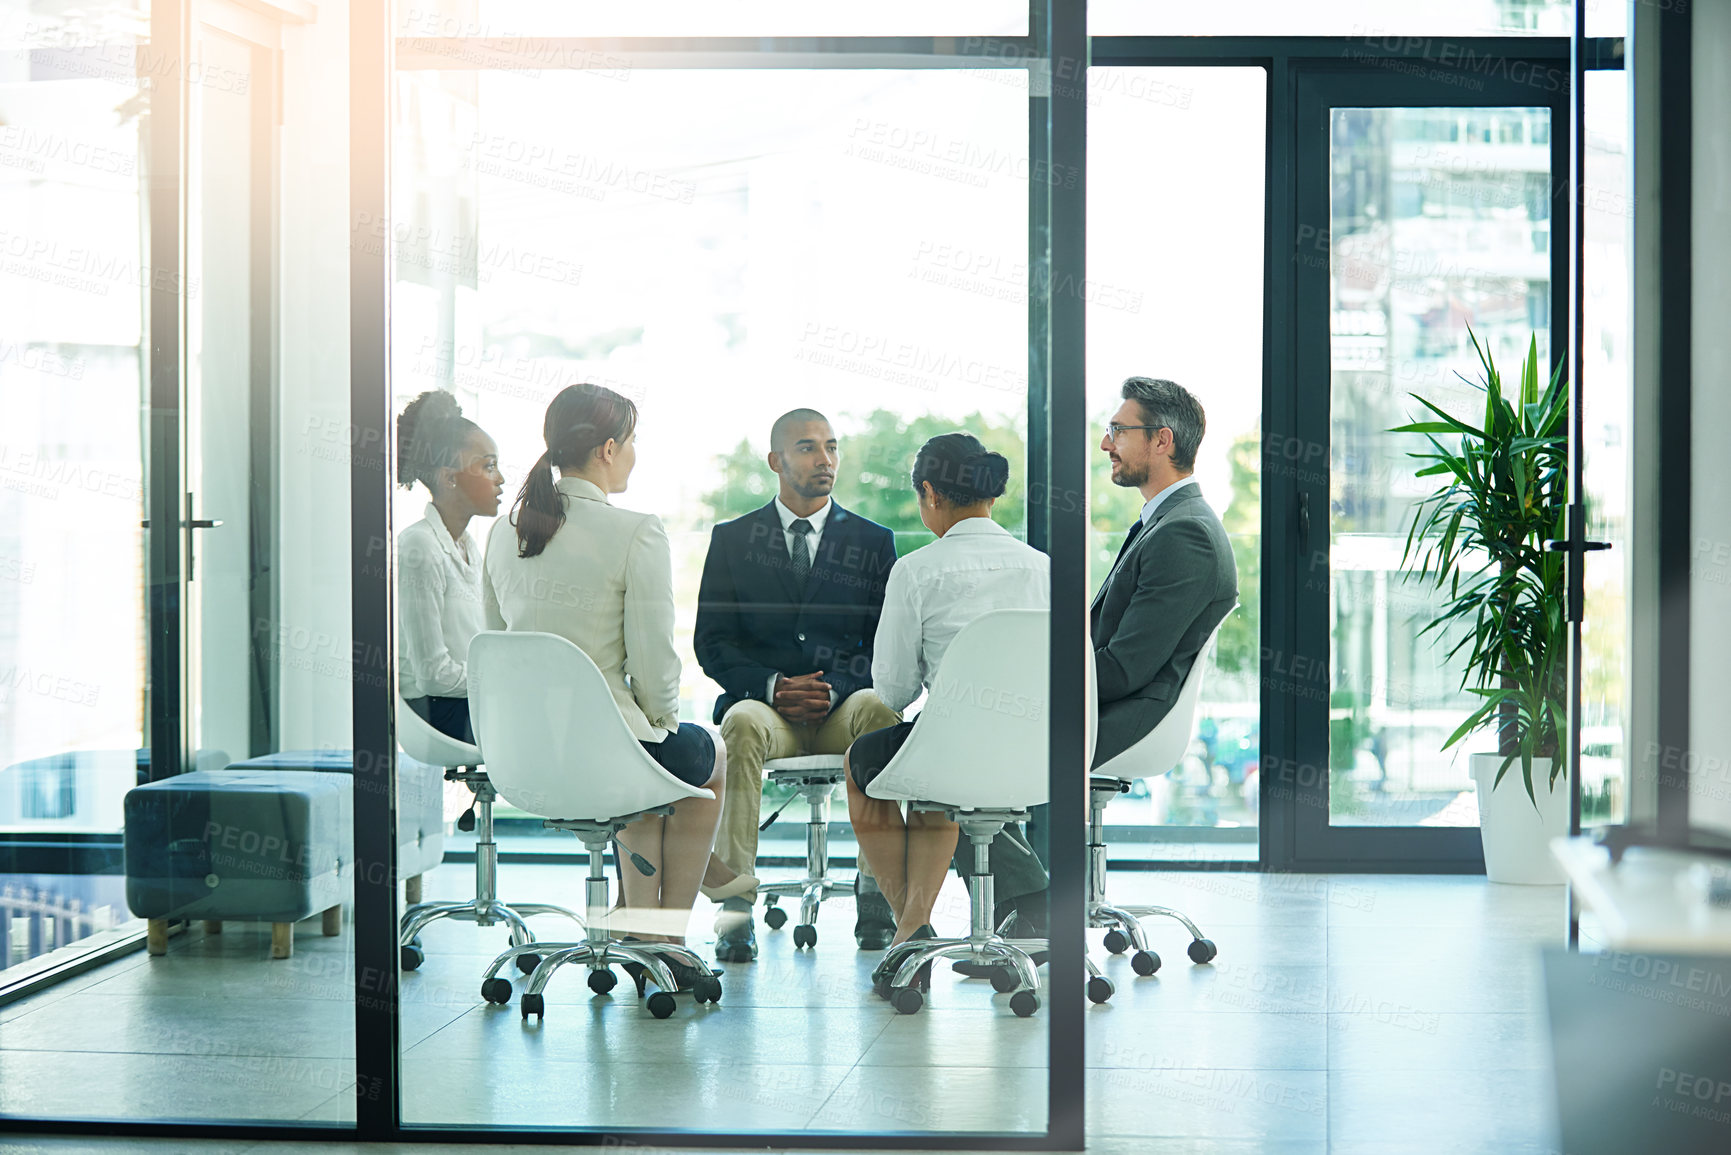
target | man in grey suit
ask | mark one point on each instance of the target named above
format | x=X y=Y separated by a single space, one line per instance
x=1173 y=581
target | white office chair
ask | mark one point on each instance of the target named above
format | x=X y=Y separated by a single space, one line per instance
x=979 y=755
x=1156 y=754
x=462 y=763
x=815 y=776
x=557 y=746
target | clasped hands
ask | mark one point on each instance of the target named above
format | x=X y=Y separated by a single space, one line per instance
x=802 y=699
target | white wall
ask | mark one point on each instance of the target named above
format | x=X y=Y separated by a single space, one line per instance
x=314 y=645
x=1710 y=505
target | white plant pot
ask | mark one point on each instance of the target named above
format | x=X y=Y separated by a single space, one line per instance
x=1517 y=836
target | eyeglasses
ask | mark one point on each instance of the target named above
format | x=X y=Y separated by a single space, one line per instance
x=1114 y=429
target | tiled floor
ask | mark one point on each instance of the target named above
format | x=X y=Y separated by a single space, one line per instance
x=1344 y=1014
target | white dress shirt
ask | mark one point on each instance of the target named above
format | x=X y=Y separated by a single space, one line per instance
x=438 y=608
x=939 y=588
x=817 y=520
x=605 y=582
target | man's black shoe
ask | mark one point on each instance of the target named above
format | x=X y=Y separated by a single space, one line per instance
x=735 y=938
x=875 y=928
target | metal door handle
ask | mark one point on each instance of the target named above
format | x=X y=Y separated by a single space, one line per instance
x=1303 y=522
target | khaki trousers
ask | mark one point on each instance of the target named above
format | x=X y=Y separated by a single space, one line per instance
x=755 y=733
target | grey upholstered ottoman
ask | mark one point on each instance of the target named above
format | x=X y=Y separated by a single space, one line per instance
x=257 y=845
x=420 y=805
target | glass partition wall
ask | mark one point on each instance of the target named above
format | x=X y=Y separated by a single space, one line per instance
x=176 y=806
x=876 y=215
x=791 y=266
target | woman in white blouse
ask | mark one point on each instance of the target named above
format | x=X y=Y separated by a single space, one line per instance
x=973 y=566
x=569 y=562
x=438 y=562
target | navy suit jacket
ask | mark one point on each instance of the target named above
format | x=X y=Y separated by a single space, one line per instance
x=753 y=621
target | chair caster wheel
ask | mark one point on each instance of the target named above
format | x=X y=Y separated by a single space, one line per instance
x=1099 y=989
x=881 y=988
x=707 y=990
x=1203 y=950
x=497 y=991
x=1005 y=980
x=1116 y=943
x=1024 y=1003
x=411 y=956
x=775 y=918
x=1144 y=962
x=661 y=1004
x=534 y=1005
x=602 y=981
x=804 y=935
x=528 y=962
x=907 y=1001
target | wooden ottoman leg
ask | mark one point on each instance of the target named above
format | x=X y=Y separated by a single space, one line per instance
x=156 y=936
x=213 y=926
x=333 y=921
x=282 y=939
x=412 y=890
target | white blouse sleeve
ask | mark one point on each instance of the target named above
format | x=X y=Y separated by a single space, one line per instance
x=421 y=594
x=651 y=662
x=896 y=671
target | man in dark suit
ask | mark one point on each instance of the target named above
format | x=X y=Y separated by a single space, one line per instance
x=786 y=615
x=1174 y=580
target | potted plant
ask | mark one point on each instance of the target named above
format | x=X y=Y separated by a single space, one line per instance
x=1480 y=539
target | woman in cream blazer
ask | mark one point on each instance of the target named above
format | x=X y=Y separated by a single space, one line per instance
x=568 y=562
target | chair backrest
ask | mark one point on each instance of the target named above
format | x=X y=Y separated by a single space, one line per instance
x=1163 y=747
x=422 y=742
x=981 y=740
x=556 y=743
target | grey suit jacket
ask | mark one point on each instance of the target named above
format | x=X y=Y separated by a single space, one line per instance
x=1154 y=614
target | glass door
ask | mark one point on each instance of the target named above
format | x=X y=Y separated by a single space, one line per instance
x=1425 y=219
x=229 y=426
x=75 y=686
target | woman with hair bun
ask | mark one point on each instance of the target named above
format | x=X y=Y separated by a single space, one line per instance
x=570 y=562
x=438 y=562
x=974 y=566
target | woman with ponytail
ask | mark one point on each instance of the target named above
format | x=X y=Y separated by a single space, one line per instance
x=569 y=562
x=973 y=566
x=438 y=563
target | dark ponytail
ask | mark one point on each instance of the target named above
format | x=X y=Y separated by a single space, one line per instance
x=961 y=470
x=580 y=420
x=430 y=437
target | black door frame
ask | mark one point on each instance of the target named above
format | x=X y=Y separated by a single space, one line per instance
x=1318 y=844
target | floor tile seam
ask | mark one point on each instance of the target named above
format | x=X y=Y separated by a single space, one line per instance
x=846 y=1075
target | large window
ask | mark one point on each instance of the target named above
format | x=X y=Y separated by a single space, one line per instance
x=1176 y=165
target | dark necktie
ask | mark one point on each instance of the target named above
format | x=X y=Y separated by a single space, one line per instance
x=1129 y=540
x=801 y=554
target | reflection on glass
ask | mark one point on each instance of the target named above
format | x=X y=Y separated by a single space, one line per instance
x=1379 y=22
x=1184 y=301
x=230 y=995
x=1606 y=446
x=1439 y=220
x=719 y=248
x=73 y=665
x=446 y=18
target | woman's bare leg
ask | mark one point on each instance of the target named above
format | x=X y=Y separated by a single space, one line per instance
x=643 y=839
x=882 y=838
x=686 y=844
x=931 y=846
